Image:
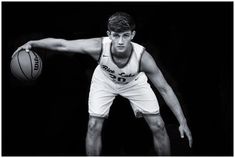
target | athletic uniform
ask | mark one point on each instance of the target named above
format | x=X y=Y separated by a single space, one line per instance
x=109 y=80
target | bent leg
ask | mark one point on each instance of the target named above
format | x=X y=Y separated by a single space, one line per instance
x=160 y=136
x=93 y=138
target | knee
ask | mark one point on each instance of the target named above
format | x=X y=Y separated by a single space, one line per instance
x=158 y=127
x=95 y=126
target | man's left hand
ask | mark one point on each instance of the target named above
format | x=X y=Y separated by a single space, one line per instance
x=183 y=128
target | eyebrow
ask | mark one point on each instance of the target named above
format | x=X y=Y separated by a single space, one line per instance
x=123 y=34
x=127 y=34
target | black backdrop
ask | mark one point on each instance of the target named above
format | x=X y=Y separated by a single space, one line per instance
x=190 y=41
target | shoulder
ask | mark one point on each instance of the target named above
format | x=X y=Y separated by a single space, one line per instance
x=146 y=58
x=105 y=40
x=92 y=45
x=138 y=47
x=147 y=63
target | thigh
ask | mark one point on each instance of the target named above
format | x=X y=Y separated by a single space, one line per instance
x=142 y=99
x=101 y=96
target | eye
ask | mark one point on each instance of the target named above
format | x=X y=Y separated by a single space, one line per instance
x=126 y=35
x=115 y=35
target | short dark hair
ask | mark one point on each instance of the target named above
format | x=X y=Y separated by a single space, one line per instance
x=120 y=22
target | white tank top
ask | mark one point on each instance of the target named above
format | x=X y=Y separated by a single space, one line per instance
x=128 y=72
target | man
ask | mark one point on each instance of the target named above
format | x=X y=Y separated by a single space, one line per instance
x=123 y=68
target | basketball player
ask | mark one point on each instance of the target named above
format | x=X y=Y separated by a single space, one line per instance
x=123 y=68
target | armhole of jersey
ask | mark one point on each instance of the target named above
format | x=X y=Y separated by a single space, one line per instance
x=101 y=51
x=139 y=69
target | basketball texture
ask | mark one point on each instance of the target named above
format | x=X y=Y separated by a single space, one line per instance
x=26 y=65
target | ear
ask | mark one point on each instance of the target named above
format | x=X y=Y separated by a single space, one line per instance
x=133 y=34
x=108 y=33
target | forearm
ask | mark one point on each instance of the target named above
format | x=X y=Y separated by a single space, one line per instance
x=48 y=43
x=173 y=103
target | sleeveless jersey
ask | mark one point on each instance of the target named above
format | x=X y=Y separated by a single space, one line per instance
x=128 y=72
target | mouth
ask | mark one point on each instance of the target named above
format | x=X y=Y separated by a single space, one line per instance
x=121 y=47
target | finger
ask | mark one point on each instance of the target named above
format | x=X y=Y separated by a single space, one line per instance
x=181 y=132
x=190 y=143
x=190 y=139
x=17 y=50
x=27 y=50
x=26 y=47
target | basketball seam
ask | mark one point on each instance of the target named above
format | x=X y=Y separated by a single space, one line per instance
x=31 y=65
x=21 y=67
x=40 y=65
x=15 y=74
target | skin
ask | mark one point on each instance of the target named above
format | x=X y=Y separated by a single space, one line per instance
x=121 y=46
x=121 y=49
x=121 y=43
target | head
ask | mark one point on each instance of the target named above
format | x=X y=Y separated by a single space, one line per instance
x=121 y=30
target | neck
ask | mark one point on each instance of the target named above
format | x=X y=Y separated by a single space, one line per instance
x=125 y=54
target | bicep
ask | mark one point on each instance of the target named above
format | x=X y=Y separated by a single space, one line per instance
x=149 y=66
x=91 y=46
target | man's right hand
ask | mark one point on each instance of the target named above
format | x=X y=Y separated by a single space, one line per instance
x=26 y=47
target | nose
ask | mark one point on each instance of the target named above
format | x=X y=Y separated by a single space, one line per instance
x=120 y=41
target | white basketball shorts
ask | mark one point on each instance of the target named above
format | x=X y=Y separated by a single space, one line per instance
x=138 y=92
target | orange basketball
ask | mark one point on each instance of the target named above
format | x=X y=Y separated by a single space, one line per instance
x=26 y=65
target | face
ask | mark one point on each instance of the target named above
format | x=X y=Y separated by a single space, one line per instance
x=121 y=41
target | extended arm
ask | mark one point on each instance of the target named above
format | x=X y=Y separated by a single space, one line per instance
x=84 y=46
x=149 y=66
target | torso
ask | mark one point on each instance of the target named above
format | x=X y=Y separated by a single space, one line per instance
x=120 y=62
x=121 y=70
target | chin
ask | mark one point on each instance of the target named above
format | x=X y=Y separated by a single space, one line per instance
x=121 y=51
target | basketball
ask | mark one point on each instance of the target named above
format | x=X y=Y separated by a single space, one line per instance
x=26 y=65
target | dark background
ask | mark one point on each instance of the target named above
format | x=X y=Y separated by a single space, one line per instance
x=191 y=42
